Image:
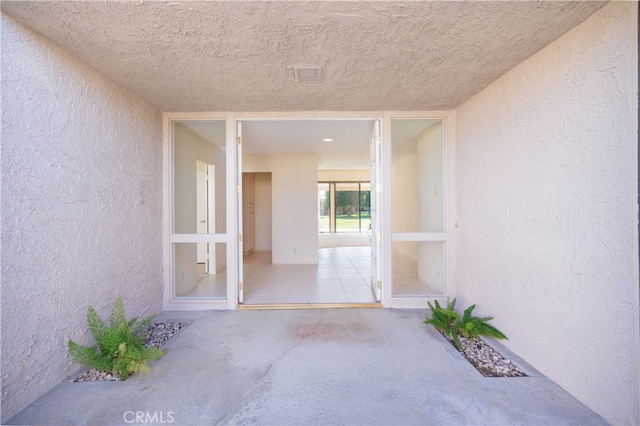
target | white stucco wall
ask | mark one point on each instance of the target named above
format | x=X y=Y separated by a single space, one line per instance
x=81 y=208
x=547 y=210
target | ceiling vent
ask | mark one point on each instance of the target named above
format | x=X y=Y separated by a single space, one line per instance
x=307 y=72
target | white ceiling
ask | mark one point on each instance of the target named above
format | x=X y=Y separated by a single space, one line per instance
x=238 y=56
x=348 y=150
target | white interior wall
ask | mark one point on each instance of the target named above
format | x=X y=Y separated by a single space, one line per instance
x=547 y=210
x=404 y=175
x=294 y=180
x=351 y=175
x=201 y=207
x=430 y=199
x=404 y=203
x=189 y=148
x=430 y=179
x=263 y=216
x=431 y=271
x=81 y=208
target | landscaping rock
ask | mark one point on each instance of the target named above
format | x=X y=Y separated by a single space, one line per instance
x=487 y=360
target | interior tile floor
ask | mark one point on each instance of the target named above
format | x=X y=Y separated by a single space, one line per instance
x=341 y=276
x=210 y=286
x=405 y=278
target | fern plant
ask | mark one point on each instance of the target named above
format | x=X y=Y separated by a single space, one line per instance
x=443 y=319
x=449 y=322
x=472 y=327
x=119 y=348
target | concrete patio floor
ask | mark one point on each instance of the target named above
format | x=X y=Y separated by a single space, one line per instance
x=312 y=366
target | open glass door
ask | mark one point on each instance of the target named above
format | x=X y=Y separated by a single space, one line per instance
x=375 y=199
x=239 y=248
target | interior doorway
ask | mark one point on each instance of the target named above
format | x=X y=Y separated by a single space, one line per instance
x=296 y=266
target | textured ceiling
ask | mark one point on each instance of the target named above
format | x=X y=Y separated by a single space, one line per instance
x=237 y=56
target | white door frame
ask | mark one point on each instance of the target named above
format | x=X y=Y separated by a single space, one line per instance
x=239 y=204
x=375 y=211
x=169 y=300
x=211 y=218
x=448 y=119
x=230 y=237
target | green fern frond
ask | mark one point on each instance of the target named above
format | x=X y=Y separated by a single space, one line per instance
x=451 y=304
x=467 y=313
x=456 y=340
x=442 y=319
x=138 y=326
x=488 y=330
x=97 y=327
x=89 y=356
x=117 y=313
x=84 y=355
x=154 y=353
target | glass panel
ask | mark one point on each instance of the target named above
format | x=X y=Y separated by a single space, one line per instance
x=347 y=207
x=199 y=270
x=199 y=177
x=417 y=175
x=323 y=207
x=418 y=268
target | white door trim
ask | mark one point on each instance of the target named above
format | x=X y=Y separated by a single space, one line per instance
x=230 y=237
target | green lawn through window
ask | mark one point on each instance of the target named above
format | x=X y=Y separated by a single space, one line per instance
x=346 y=223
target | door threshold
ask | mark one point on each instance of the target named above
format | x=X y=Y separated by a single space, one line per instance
x=310 y=306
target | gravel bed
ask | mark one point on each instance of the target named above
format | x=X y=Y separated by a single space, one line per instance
x=488 y=361
x=156 y=334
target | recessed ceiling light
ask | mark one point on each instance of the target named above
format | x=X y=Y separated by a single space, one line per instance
x=327 y=140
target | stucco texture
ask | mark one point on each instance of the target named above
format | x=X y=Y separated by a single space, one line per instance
x=81 y=208
x=239 y=55
x=547 y=210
